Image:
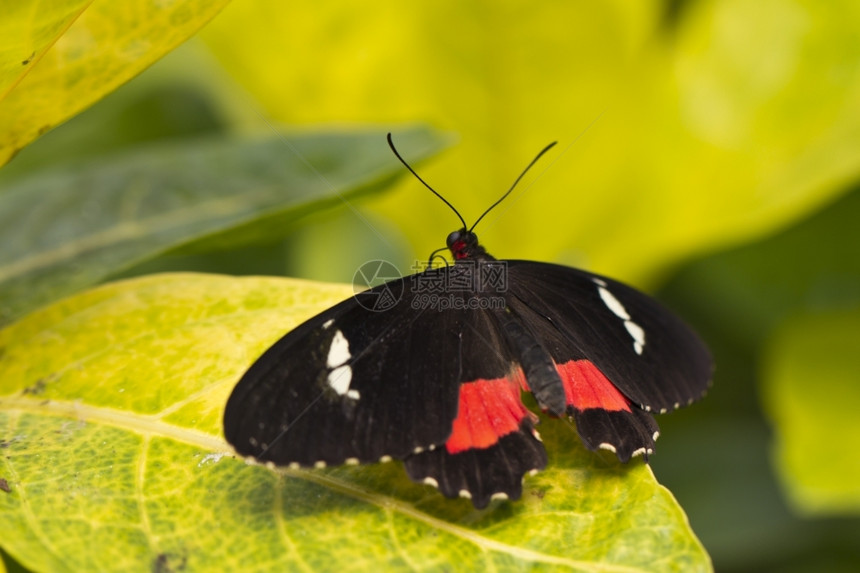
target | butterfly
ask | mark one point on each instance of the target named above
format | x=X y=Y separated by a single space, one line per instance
x=430 y=369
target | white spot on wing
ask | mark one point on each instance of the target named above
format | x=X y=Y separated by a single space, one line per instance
x=431 y=481
x=499 y=495
x=319 y=465
x=606 y=446
x=340 y=377
x=614 y=305
x=384 y=459
x=351 y=461
x=328 y=323
x=338 y=352
x=638 y=335
x=465 y=493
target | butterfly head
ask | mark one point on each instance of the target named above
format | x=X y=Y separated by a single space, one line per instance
x=464 y=245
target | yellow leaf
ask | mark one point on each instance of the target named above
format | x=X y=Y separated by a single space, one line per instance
x=729 y=122
x=60 y=58
x=811 y=393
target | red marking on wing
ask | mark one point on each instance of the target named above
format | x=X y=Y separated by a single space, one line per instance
x=488 y=410
x=586 y=387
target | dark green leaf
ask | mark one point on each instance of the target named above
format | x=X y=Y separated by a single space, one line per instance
x=72 y=226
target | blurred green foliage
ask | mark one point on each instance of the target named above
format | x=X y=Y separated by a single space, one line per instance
x=191 y=196
x=771 y=311
x=708 y=146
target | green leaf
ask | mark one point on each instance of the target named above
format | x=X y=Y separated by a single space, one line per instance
x=110 y=428
x=69 y=227
x=70 y=54
x=811 y=394
x=730 y=122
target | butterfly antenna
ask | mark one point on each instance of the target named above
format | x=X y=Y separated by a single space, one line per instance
x=418 y=177
x=502 y=198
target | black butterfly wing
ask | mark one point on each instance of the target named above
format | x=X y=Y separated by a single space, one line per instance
x=351 y=385
x=482 y=474
x=427 y=380
x=619 y=353
x=647 y=352
x=493 y=443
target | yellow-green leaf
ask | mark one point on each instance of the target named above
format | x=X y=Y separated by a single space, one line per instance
x=110 y=429
x=59 y=58
x=27 y=32
x=811 y=393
